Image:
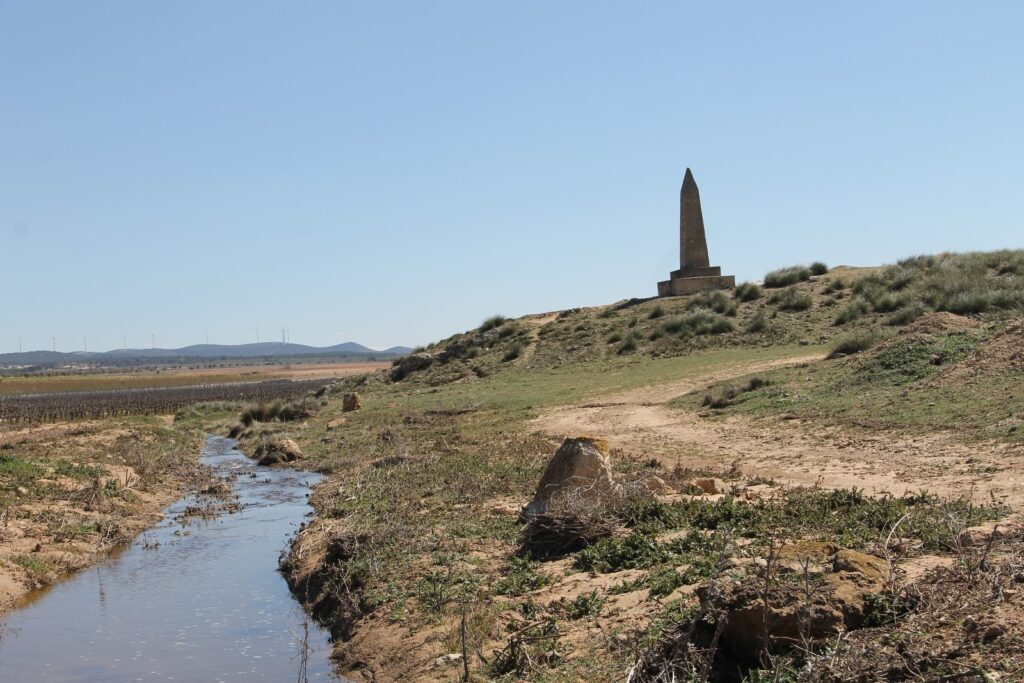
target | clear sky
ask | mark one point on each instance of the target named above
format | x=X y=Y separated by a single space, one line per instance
x=394 y=172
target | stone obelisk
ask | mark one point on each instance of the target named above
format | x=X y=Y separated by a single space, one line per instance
x=695 y=272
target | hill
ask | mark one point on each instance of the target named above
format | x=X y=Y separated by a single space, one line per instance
x=768 y=441
x=199 y=351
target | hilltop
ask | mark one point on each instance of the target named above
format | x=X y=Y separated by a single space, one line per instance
x=865 y=422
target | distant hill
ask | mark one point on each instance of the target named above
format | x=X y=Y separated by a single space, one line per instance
x=204 y=351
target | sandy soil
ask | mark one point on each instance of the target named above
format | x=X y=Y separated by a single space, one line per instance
x=792 y=451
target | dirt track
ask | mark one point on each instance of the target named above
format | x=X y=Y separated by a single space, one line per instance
x=792 y=451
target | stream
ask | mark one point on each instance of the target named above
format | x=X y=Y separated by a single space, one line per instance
x=192 y=599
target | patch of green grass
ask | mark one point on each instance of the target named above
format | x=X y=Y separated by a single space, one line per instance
x=585 y=605
x=522 y=576
x=35 y=566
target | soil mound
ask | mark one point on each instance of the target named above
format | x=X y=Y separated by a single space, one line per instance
x=940 y=322
x=1001 y=355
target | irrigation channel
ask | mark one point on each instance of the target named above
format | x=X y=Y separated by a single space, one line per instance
x=196 y=598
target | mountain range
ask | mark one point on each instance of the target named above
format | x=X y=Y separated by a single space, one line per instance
x=206 y=351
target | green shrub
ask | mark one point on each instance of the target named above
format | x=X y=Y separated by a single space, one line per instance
x=523 y=575
x=818 y=268
x=656 y=312
x=791 y=299
x=614 y=337
x=852 y=343
x=784 y=277
x=748 y=291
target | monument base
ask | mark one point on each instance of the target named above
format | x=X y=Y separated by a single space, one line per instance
x=681 y=285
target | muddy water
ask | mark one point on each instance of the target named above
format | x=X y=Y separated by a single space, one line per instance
x=190 y=600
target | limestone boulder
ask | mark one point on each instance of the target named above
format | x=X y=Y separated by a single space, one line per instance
x=336 y=423
x=276 y=450
x=351 y=402
x=580 y=468
x=410 y=364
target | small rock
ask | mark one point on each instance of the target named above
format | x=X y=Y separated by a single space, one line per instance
x=22 y=491
x=993 y=632
x=351 y=402
x=445 y=660
x=657 y=486
x=710 y=486
x=335 y=423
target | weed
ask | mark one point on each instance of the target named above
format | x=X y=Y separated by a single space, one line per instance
x=656 y=312
x=818 y=268
x=521 y=577
x=585 y=605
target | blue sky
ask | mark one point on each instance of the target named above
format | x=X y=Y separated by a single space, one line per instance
x=393 y=172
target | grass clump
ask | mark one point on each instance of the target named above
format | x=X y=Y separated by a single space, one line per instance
x=714 y=301
x=698 y=323
x=818 y=268
x=492 y=323
x=614 y=337
x=628 y=345
x=851 y=311
x=514 y=352
x=852 y=343
x=757 y=323
x=785 y=277
x=656 y=312
x=791 y=299
x=748 y=291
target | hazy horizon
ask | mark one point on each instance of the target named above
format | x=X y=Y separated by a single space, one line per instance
x=392 y=174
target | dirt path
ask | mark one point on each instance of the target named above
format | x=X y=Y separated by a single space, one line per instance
x=792 y=451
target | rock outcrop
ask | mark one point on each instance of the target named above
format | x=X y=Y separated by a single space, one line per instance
x=791 y=612
x=411 y=363
x=275 y=450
